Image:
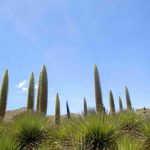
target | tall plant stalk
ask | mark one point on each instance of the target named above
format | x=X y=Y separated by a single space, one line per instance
x=43 y=97
x=30 y=102
x=98 y=91
x=4 y=94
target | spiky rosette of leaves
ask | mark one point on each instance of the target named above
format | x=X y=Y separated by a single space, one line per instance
x=98 y=91
x=128 y=123
x=145 y=133
x=120 y=104
x=7 y=141
x=96 y=132
x=85 y=107
x=128 y=100
x=128 y=143
x=68 y=110
x=38 y=93
x=31 y=131
x=4 y=94
x=57 y=110
x=30 y=102
x=111 y=103
x=43 y=97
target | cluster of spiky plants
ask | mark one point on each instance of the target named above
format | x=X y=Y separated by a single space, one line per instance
x=129 y=123
x=145 y=132
x=30 y=130
x=7 y=142
x=96 y=132
x=92 y=133
x=123 y=131
x=128 y=143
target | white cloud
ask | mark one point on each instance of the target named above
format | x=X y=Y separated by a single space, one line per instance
x=23 y=85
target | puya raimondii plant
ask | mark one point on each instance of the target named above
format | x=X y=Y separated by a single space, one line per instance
x=57 y=110
x=4 y=94
x=43 y=97
x=30 y=102
x=98 y=92
x=111 y=103
x=128 y=100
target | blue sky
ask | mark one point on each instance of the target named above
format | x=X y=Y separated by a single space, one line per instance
x=70 y=36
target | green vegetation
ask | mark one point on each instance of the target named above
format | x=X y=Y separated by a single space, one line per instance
x=30 y=102
x=111 y=103
x=128 y=143
x=43 y=96
x=96 y=132
x=98 y=92
x=31 y=130
x=4 y=94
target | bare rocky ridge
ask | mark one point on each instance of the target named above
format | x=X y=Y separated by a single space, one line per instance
x=10 y=114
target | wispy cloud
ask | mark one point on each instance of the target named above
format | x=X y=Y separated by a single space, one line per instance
x=23 y=85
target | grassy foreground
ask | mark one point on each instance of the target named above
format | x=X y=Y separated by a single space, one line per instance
x=33 y=131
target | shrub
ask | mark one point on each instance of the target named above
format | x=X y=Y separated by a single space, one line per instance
x=128 y=143
x=96 y=132
x=31 y=130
